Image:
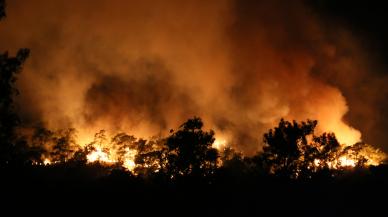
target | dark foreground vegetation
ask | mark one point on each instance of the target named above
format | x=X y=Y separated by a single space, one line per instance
x=97 y=189
x=182 y=174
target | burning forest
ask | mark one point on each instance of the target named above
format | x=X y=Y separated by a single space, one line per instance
x=202 y=98
x=290 y=146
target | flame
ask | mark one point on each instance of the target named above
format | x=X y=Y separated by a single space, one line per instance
x=367 y=156
x=373 y=156
x=46 y=161
x=317 y=162
x=129 y=159
x=99 y=155
x=219 y=143
x=345 y=161
x=129 y=164
x=108 y=157
x=348 y=136
x=107 y=153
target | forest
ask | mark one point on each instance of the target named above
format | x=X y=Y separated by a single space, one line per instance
x=298 y=172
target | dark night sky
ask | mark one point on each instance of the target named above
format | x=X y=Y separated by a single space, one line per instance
x=367 y=19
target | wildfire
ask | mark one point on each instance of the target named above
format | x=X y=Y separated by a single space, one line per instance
x=129 y=164
x=219 y=143
x=367 y=156
x=47 y=161
x=122 y=150
x=129 y=159
x=99 y=155
x=108 y=157
x=317 y=162
x=344 y=161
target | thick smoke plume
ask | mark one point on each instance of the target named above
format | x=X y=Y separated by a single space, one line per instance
x=146 y=66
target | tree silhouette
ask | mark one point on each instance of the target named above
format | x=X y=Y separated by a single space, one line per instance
x=57 y=146
x=363 y=154
x=122 y=143
x=64 y=145
x=190 y=151
x=2 y=9
x=324 y=149
x=100 y=139
x=151 y=157
x=79 y=157
x=234 y=164
x=9 y=120
x=284 y=146
x=292 y=150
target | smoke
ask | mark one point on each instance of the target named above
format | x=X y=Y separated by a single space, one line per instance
x=144 y=67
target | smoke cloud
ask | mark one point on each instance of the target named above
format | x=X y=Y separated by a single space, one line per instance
x=144 y=67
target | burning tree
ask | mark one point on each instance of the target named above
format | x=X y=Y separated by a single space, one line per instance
x=292 y=150
x=119 y=150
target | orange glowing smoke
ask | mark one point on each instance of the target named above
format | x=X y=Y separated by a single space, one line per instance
x=144 y=66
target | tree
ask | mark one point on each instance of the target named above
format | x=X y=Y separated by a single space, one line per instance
x=2 y=9
x=284 y=147
x=151 y=157
x=9 y=120
x=189 y=150
x=292 y=150
x=64 y=145
x=321 y=152
x=122 y=143
x=234 y=164
x=56 y=146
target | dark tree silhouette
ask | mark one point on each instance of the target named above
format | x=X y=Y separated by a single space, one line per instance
x=234 y=164
x=64 y=145
x=2 y=9
x=292 y=150
x=324 y=148
x=57 y=146
x=100 y=139
x=146 y=154
x=355 y=152
x=9 y=67
x=284 y=147
x=122 y=143
x=79 y=157
x=151 y=157
x=190 y=151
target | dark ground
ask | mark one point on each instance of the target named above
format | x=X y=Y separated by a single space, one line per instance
x=89 y=191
